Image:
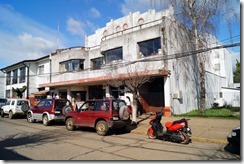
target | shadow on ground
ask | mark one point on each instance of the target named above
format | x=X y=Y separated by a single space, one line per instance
x=7 y=144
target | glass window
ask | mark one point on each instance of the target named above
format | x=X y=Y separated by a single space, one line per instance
x=41 y=69
x=97 y=63
x=22 y=75
x=113 y=55
x=13 y=102
x=72 y=65
x=41 y=103
x=15 y=76
x=8 y=79
x=149 y=47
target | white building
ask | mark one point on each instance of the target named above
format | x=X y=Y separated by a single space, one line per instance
x=150 y=43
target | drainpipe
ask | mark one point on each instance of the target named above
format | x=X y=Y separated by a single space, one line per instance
x=28 y=74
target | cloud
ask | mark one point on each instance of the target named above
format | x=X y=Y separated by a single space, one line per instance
x=75 y=27
x=94 y=13
x=80 y=28
x=23 y=38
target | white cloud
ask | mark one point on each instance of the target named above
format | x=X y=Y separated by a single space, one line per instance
x=75 y=27
x=23 y=38
x=94 y=13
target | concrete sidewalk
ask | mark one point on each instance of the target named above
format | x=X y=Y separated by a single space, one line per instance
x=211 y=130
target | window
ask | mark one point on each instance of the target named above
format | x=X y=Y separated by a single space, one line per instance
x=15 y=76
x=8 y=79
x=97 y=63
x=72 y=65
x=113 y=55
x=149 y=47
x=7 y=93
x=41 y=69
x=22 y=75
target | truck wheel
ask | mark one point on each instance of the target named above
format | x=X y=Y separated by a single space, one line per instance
x=102 y=128
x=2 y=113
x=11 y=115
x=70 y=124
x=45 y=120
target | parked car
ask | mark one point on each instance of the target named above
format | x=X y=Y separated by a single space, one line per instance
x=234 y=137
x=15 y=107
x=48 y=110
x=3 y=102
x=101 y=114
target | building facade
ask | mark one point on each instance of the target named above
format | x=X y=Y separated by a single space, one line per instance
x=139 y=44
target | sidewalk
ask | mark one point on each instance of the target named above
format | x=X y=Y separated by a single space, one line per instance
x=211 y=130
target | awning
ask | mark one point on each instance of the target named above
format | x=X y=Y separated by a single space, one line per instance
x=40 y=93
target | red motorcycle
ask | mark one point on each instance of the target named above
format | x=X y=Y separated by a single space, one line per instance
x=176 y=131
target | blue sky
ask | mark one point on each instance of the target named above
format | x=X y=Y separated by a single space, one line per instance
x=30 y=29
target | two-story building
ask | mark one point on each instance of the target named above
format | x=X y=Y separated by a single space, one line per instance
x=141 y=44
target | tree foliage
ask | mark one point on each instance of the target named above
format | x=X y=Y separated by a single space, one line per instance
x=19 y=91
x=237 y=72
x=201 y=17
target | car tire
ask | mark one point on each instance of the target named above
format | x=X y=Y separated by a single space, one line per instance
x=2 y=113
x=45 y=120
x=29 y=118
x=11 y=115
x=102 y=128
x=70 y=124
x=66 y=109
x=124 y=113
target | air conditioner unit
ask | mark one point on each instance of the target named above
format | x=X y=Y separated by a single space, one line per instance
x=177 y=95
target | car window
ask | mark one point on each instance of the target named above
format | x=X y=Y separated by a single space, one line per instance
x=41 y=103
x=3 y=100
x=117 y=104
x=8 y=102
x=48 y=103
x=61 y=103
x=13 y=102
x=89 y=105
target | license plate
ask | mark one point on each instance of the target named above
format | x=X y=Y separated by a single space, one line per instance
x=57 y=112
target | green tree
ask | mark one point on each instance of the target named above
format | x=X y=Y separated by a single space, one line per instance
x=19 y=91
x=237 y=72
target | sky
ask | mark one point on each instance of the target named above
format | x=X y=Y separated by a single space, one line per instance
x=30 y=29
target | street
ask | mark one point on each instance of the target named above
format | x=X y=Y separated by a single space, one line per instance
x=20 y=140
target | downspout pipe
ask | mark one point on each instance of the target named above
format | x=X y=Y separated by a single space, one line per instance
x=28 y=74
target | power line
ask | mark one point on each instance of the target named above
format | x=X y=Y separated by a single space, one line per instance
x=157 y=58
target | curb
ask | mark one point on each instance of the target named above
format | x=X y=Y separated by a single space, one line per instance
x=198 y=139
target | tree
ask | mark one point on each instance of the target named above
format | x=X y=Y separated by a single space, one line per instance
x=19 y=91
x=237 y=72
x=201 y=17
x=132 y=79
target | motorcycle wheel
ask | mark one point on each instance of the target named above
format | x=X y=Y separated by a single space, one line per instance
x=151 y=134
x=185 y=138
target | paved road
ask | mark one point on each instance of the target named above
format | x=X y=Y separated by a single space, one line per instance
x=20 y=140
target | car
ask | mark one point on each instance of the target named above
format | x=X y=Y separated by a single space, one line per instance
x=100 y=114
x=48 y=110
x=15 y=107
x=234 y=136
x=3 y=102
